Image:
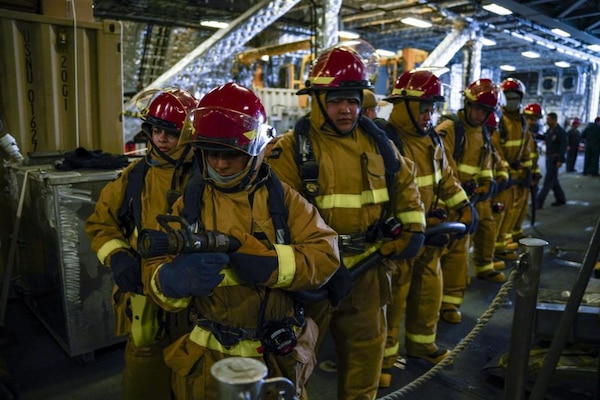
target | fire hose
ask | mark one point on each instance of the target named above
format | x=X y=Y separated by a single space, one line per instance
x=152 y=243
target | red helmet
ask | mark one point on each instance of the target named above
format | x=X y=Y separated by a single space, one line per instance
x=513 y=85
x=165 y=109
x=533 y=110
x=337 y=68
x=228 y=117
x=417 y=85
x=484 y=93
x=575 y=121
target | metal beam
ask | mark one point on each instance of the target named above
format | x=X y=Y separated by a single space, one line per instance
x=549 y=22
x=445 y=51
x=194 y=71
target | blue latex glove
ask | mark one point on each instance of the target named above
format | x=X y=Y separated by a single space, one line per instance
x=126 y=271
x=253 y=269
x=192 y=274
x=339 y=285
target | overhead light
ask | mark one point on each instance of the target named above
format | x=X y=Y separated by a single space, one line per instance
x=385 y=53
x=496 y=9
x=214 y=24
x=508 y=68
x=348 y=35
x=594 y=47
x=488 y=42
x=560 y=32
x=562 y=64
x=522 y=37
x=265 y=57
x=530 y=54
x=419 y=23
x=546 y=44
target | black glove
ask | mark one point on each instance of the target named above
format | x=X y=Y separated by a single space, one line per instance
x=126 y=271
x=253 y=269
x=192 y=274
x=339 y=285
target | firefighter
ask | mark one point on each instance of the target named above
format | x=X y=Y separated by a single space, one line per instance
x=470 y=155
x=238 y=294
x=342 y=166
x=484 y=238
x=513 y=142
x=143 y=190
x=417 y=284
x=533 y=114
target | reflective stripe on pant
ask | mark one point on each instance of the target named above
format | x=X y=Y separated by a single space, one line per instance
x=455 y=271
x=395 y=312
x=512 y=211
x=520 y=206
x=484 y=237
x=524 y=196
x=423 y=302
x=358 y=329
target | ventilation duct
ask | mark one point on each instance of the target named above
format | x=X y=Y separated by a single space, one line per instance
x=549 y=84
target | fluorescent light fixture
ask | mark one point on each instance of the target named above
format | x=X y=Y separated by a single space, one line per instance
x=385 y=53
x=530 y=54
x=419 y=23
x=508 y=68
x=522 y=37
x=348 y=35
x=560 y=32
x=488 y=42
x=496 y=9
x=214 y=24
x=546 y=45
x=594 y=47
x=562 y=64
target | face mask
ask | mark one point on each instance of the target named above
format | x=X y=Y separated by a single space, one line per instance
x=513 y=104
x=218 y=178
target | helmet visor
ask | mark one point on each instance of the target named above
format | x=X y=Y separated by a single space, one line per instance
x=222 y=129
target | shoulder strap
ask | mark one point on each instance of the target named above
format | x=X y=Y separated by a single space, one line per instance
x=391 y=132
x=192 y=198
x=459 y=140
x=130 y=212
x=278 y=210
x=392 y=165
x=308 y=167
x=192 y=204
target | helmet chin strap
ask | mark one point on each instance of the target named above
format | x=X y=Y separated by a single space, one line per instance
x=419 y=131
x=146 y=127
x=330 y=122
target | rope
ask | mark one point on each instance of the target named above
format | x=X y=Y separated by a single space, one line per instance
x=462 y=345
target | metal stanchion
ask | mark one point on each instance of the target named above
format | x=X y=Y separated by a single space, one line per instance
x=568 y=317
x=523 y=318
x=243 y=378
